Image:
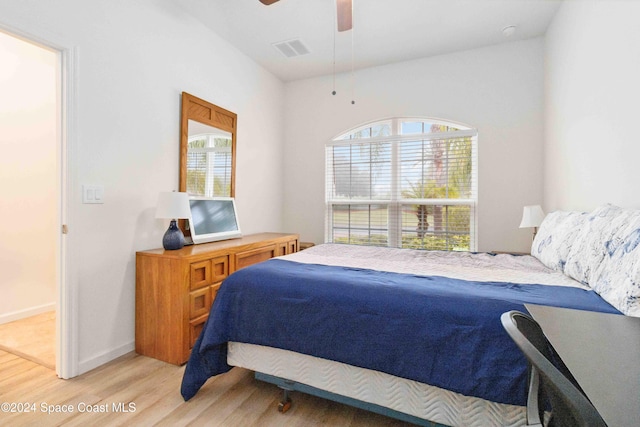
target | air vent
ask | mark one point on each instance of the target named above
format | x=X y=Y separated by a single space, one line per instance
x=291 y=48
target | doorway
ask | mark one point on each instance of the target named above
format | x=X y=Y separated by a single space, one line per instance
x=31 y=193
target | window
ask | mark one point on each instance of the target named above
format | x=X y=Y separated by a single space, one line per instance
x=209 y=164
x=409 y=183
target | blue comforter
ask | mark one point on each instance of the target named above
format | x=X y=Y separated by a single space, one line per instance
x=437 y=330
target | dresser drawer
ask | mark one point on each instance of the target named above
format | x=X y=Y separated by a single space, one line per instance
x=287 y=248
x=214 y=291
x=213 y=270
x=199 y=302
x=200 y=274
x=195 y=328
x=219 y=269
x=247 y=258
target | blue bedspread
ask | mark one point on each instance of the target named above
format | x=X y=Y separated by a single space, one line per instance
x=436 y=330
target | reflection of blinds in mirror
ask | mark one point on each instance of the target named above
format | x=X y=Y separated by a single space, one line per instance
x=209 y=166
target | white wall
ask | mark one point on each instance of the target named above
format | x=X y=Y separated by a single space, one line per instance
x=133 y=61
x=592 y=87
x=498 y=90
x=28 y=172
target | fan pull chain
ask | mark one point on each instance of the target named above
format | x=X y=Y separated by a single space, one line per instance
x=352 y=61
x=333 y=30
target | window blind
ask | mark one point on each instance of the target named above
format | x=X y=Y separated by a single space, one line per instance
x=403 y=183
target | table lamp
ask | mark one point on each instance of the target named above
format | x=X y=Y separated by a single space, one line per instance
x=173 y=205
x=532 y=216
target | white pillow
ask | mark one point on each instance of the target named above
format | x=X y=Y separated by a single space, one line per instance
x=555 y=237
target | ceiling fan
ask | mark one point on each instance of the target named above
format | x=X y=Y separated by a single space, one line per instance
x=345 y=12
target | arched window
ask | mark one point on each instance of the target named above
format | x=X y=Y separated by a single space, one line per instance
x=403 y=182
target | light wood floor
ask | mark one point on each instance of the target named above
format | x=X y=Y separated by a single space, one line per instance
x=232 y=399
x=32 y=338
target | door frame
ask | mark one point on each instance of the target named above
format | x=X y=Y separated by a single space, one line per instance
x=66 y=283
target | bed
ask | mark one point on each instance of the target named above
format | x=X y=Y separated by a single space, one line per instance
x=412 y=334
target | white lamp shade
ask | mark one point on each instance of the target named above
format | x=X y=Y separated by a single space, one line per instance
x=173 y=205
x=532 y=216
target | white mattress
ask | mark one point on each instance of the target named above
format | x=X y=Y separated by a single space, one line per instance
x=411 y=397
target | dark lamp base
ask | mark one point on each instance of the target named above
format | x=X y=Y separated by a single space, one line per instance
x=173 y=239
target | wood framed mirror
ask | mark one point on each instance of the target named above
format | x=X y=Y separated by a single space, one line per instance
x=207 y=148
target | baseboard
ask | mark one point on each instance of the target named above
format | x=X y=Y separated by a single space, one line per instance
x=101 y=359
x=27 y=312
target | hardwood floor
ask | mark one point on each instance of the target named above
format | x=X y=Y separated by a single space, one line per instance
x=32 y=338
x=152 y=388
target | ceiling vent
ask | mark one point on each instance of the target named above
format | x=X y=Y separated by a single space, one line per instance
x=291 y=48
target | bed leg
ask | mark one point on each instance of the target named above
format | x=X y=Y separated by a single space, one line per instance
x=285 y=403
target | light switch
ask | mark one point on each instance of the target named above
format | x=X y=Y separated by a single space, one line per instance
x=92 y=194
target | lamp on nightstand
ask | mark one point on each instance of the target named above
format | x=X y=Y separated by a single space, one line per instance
x=532 y=216
x=173 y=205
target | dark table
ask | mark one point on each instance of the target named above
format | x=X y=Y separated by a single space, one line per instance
x=602 y=351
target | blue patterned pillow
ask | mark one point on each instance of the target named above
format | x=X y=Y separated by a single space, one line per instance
x=588 y=248
x=617 y=278
x=555 y=238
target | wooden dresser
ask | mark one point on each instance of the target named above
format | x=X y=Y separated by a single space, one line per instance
x=175 y=289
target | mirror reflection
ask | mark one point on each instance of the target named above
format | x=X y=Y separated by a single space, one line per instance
x=209 y=160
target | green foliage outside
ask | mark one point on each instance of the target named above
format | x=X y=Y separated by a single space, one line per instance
x=196 y=184
x=457 y=242
x=354 y=219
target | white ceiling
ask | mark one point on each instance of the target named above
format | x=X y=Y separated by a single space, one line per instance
x=385 y=31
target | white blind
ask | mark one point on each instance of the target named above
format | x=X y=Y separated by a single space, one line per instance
x=209 y=166
x=411 y=184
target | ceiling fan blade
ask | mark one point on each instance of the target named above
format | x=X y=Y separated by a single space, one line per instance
x=345 y=12
x=268 y=2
